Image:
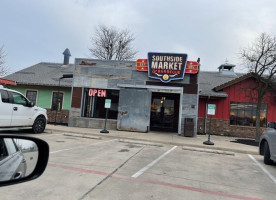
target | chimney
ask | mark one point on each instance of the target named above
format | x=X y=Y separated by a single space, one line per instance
x=66 y=54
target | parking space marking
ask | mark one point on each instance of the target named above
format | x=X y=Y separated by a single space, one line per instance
x=189 y=188
x=141 y=171
x=82 y=146
x=264 y=169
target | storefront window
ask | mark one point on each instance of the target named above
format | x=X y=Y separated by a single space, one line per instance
x=94 y=101
x=244 y=114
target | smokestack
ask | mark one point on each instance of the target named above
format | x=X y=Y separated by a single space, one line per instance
x=66 y=54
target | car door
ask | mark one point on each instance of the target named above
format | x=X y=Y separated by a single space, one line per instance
x=22 y=113
x=6 y=109
x=272 y=137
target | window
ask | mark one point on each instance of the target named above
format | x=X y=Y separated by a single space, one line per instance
x=3 y=150
x=93 y=103
x=19 y=99
x=31 y=95
x=4 y=96
x=57 y=102
x=11 y=145
x=244 y=114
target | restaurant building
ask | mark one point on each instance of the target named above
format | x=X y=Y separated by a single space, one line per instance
x=158 y=94
x=235 y=98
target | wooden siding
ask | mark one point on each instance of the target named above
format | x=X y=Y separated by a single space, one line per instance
x=239 y=92
x=76 y=97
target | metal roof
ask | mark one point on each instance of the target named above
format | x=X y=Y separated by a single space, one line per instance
x=48 y=74
x=209 y=80
x=44 y=74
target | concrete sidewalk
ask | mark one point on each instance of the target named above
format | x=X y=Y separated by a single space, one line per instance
x=221 y=142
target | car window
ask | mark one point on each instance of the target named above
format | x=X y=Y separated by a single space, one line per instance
x=19 y=99
x=11 y=145
x=3 y=150
x=4 y=96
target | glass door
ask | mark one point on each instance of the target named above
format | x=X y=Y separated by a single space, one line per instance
x=164 y=112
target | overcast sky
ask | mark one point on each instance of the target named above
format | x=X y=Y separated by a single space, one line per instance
x=34 y=31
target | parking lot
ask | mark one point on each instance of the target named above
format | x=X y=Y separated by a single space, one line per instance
x=82 y=168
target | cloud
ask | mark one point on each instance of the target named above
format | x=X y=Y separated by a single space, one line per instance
x=212 y=30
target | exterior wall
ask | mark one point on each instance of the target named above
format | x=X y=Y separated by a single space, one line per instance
x=223 y=127
x=239 y=92
x=44 y=100
x=60 y=117
x=112 y=75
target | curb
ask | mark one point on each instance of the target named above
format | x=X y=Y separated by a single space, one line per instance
x=82 y=136
x=141 y=142
x=209 y=150
x=155 y=141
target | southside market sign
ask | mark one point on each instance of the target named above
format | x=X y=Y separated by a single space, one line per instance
x=191 y=66
x=166 y=66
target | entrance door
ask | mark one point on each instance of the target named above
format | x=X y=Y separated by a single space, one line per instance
x=134 y=110
x=164 y=112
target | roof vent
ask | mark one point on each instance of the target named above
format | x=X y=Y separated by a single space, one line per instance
x=66 y=54
x=227 y=69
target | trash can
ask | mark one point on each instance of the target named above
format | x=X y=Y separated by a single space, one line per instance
x=188 y=127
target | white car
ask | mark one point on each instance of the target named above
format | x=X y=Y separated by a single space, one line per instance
x=267 y=145
x=17 y=111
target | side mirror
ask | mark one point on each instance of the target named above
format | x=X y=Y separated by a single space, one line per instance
x=31 y=104
x=22 y=158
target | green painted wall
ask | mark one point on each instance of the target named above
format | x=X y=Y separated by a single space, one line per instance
x=44 y=95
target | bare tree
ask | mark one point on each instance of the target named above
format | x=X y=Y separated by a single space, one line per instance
x=109 y=43
x=260 y=59
x=3 y=67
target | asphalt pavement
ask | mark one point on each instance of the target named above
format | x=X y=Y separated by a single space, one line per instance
x=222 y=144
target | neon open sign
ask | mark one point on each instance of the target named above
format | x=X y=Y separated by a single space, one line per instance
x=97 y=92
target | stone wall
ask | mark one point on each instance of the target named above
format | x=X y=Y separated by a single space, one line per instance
x=93 y=123
x=223 y=127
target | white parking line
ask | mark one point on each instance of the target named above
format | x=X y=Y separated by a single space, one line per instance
x=141 y=171
x=81 y=146
x=264 y=169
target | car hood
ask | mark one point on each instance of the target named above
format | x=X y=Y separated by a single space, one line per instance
x=40 y=109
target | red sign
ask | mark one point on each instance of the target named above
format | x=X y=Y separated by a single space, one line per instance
x=6 y=82
x=191 y=66
x=97 y=92
x=142 y=65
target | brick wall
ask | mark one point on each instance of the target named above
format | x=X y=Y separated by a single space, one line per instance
x=62 y=116
x=223 y=127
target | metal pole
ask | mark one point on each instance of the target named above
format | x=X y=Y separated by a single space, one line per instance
x=210 y=128
x=209 y=135
x=104 y=130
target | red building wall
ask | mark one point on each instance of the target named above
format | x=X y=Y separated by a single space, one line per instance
x=239 y=92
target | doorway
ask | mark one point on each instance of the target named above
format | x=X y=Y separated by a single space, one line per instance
x=164 y=112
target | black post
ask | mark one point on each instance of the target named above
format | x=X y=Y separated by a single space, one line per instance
x=63 y=76
x=57 y=100
x=104 y=130
x=209 y=135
